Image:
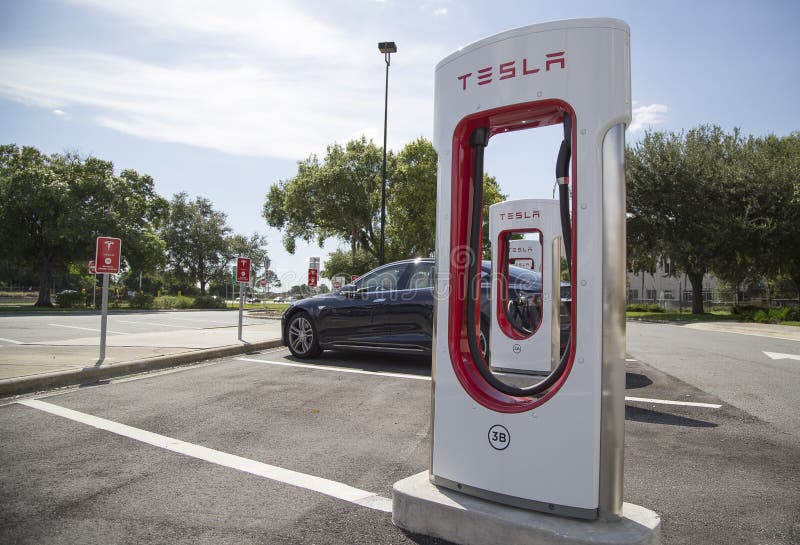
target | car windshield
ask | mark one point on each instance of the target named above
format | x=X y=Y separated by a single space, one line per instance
x=519 y=278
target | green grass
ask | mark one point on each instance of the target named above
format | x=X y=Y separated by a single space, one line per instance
x=686 y=316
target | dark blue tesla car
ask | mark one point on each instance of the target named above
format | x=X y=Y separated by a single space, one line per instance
x=390 y=309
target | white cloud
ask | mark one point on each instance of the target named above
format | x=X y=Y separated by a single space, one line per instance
x=274 y=82
x=273 y=24
x=648 y=116
x=59 y=113
x=440 y=11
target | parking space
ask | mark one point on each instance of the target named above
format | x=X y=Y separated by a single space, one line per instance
x=355 y=431
x=264 y=448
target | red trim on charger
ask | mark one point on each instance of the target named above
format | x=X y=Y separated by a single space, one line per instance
x=505 y=119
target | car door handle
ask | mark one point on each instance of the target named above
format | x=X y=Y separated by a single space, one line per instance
x=382 y=300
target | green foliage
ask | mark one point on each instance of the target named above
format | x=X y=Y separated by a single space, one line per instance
x=207 y=301
x=343 y=263
x=169 y=301
x=70 y=299
x=644 y=307
x=141 y=300
x=708 y=200
x=775 y=315
x=55 y=206
x=338 y=197
x=411 y=203
x=195 y=236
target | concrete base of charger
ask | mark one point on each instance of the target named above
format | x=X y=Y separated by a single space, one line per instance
x=420 y=507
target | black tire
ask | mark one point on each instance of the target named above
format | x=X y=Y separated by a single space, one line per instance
x=301 y=336
x=483 y=341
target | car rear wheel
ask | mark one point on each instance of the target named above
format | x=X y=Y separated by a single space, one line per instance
x=301 y=335
x=483 y=341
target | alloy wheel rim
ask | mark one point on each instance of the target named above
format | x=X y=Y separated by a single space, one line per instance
x=301 y=335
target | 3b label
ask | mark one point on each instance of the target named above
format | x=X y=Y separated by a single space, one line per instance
x=499 y=437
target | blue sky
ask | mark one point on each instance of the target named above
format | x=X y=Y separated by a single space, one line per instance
x=222 y=99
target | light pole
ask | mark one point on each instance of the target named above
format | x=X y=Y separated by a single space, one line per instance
x=387 y=48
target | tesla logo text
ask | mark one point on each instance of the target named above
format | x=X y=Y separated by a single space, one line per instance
x=518 y=250
x=511 y=69
x=520 y=215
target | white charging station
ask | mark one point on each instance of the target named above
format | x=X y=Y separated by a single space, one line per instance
x=526 y=254
x=557 y=446
x=525 y=334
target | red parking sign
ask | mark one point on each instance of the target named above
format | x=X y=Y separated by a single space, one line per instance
x=92 y=268
x=312 y=278
x=107 y=255
x=243 y=269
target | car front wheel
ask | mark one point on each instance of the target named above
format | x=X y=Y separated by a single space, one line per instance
x=301 y=335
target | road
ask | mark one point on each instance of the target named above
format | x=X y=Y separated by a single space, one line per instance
x=58 y=326
x=200 y=454
x=732 y=366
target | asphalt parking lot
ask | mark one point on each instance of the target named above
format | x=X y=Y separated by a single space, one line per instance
x=263 y=448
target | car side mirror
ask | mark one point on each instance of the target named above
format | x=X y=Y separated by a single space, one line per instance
x=349 y=290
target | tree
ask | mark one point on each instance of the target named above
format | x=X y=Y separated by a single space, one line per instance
x=254 y=247
x=681 y=202
x=272 y=279
x=341 y=198
x=345 y=263
x=54 y=207
x=411 y=203
x=196 y=238
x=770 y=207
x=338 y=198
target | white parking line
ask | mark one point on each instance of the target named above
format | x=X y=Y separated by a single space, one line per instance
x=418 y=377
x=90 y=329
x=330 y=488
x=11 y=341
x=668 y=402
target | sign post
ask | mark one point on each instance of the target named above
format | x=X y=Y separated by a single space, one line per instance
x=313 y=271
x=108 y=253
x=93 y=272
x=243 y=277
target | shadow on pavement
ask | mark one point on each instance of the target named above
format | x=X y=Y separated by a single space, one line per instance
x=639 y=414
x=636 y=380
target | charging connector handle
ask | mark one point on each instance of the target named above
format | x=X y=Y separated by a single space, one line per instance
x=478 y=141
x=562 y=176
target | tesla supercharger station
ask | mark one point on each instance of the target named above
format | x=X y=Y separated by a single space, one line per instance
x=526 y=254
x=534 y=348
x=554 y=444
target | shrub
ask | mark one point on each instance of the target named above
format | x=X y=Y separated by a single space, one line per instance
x=644 y=307
x=208 y=301
x=168 y=301
x=745 y=312
x=141 y=300
x=70 y=299
x=778 y=314
x=760 y=317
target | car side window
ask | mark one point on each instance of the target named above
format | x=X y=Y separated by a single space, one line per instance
x=385 y=279
x=421 y=276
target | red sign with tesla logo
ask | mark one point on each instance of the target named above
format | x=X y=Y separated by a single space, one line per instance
x=243 y=269
x=312 y=278
x=107 y=255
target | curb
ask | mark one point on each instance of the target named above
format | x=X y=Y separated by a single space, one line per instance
x=89 y=375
